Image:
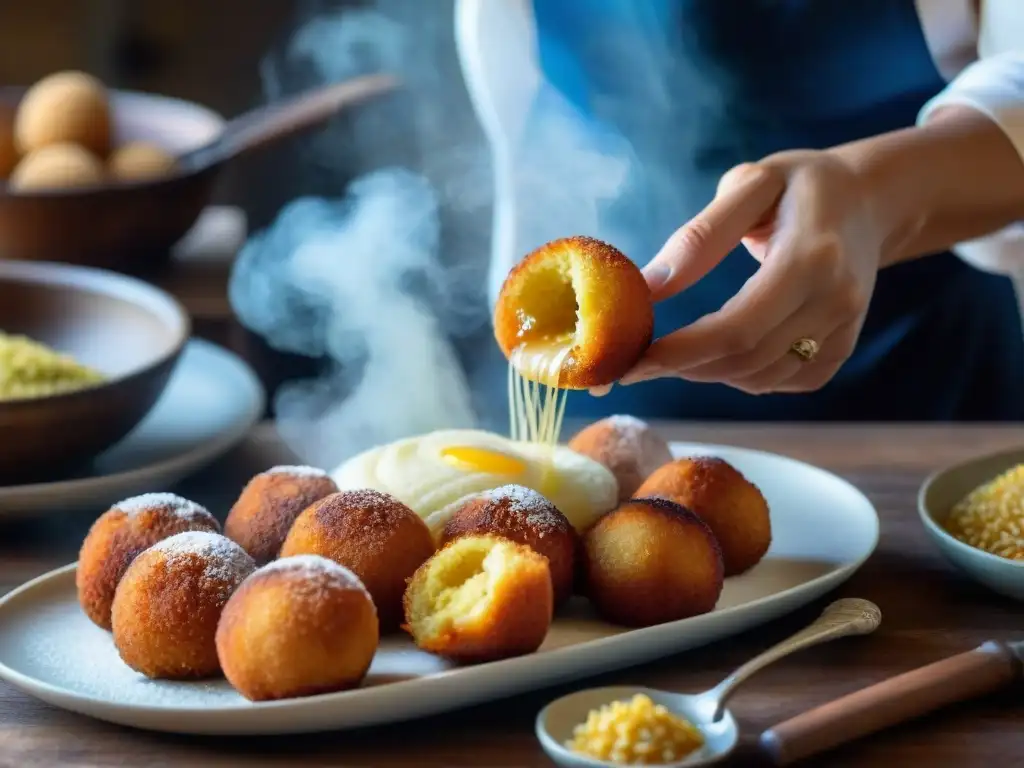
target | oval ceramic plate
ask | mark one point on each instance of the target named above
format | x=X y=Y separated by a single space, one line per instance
x=823 y=530
x=211 y=402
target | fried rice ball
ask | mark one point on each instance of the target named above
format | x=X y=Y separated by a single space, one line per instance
x=140 y=161
x=524 y=516
x=120 y=534
x=577 y=302
x=373 y=534
x=270 y=502
x=479 y=599
x=651 y=561
x=718 y=494
x=627 y=446
x=168 y=604
x=299 y=626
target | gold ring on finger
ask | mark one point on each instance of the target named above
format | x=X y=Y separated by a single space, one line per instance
x=806 y=349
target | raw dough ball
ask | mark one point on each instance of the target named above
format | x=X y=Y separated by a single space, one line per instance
x=68 y=107
x=58 y=166
x=141 y=161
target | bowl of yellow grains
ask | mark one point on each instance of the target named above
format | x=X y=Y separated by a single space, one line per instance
x=84 y=355
x=975 y=513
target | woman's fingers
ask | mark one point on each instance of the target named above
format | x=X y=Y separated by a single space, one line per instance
x=832 y=353
x=766 y=300
x=746 y=196
x=811 y=321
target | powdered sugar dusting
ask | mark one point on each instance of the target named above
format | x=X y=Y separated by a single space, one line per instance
x=296 y=471
x=317 y=570
x=536 y=510
x=628 y=432
x=368 y=497
x=630 y=448
x=224 y=560
x=177 y=505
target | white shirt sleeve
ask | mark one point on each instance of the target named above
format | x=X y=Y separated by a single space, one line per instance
x=995 y=87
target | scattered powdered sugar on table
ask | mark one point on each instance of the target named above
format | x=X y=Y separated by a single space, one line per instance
x=176 y=504
x=315 y=571
x=296 y=471
x=536 y=510
x=224 y=560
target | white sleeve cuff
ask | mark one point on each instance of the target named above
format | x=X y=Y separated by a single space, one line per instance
x=995 y=87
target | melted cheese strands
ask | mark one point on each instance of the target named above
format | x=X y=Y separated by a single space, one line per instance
x=536 y=404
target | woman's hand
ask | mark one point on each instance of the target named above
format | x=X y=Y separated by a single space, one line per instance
x=808 y=218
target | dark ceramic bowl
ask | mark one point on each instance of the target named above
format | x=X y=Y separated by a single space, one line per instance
x=129 y=224
x=115 y=224
x=125 y=328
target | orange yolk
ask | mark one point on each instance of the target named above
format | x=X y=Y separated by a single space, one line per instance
x=472 y=459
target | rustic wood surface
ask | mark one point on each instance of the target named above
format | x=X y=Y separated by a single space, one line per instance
x=930 y=611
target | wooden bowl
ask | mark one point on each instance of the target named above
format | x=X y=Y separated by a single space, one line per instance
x=123 y=327
x=115 y=225
x=120 y=224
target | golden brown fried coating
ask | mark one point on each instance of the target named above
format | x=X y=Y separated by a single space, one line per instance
x=718 y=494
x=480 y=598
x=585 y=292
x=267 y=508
x=524 y=516
x=627 y=446
x=300 y=626
x=373 y=534
x=651 y=561
x=120 y=534
x=168 y=604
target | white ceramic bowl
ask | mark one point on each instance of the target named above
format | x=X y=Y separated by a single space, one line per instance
x=937 y=497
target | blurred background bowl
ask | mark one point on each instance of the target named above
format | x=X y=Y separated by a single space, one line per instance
x=936 y=499
x=116 y=225
x=128 y=330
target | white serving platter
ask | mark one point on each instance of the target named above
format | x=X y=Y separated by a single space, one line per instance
x=823 y=530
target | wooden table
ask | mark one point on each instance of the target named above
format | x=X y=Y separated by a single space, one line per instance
x=930 y=612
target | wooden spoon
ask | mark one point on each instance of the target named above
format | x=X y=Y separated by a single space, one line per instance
x=987 y=668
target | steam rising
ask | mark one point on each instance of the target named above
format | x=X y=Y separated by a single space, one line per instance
x=388 y=277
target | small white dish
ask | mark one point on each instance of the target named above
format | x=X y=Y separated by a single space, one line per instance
x=210 y=404
x=941 y=492
x=824 y=529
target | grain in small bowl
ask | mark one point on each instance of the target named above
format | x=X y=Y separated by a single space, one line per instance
x=128 y=331
x=974 y=512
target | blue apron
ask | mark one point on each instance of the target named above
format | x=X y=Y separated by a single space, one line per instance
x=741 y=79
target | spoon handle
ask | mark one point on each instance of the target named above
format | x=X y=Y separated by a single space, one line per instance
x=848 y=616
x=985 y=669
x=272 y=122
